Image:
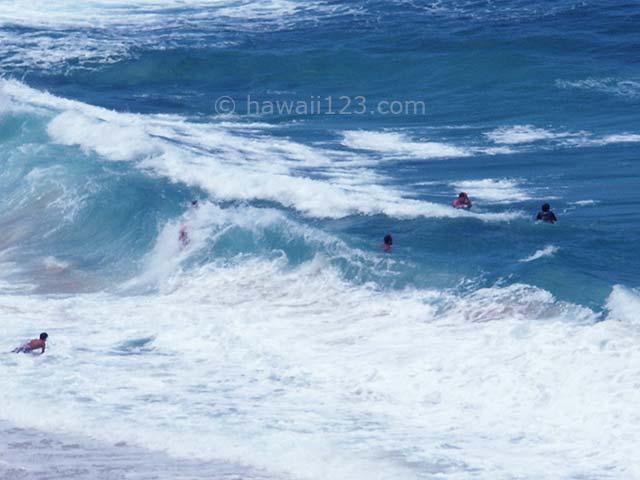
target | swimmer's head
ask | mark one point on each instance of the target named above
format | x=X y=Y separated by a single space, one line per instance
x=462 y=195
x=194 y=203
x=388 y=239
x=44 y=336
x=546 y=207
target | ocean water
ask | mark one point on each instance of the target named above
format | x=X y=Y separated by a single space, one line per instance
x=281 y=338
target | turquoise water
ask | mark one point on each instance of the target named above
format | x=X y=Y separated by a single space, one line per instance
x=110 y=124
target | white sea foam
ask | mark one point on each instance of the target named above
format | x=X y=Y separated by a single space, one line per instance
x=303 y=374
x=518 y=134
x=59 y=33
x=245 y=165
x=125 y=140
x=494 y=150
x=529 y=134
x=547 y=251
x=468 y=11
x=397 y=144
x=491 y=190
x=621 y=87
x=624 y=305
x=620 y=138
x=207 y=224
x=585 y=203
x=53 y=264
x=284 y=10
x=598 y=141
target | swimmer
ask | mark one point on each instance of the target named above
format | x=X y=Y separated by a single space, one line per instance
x=462 y=201
x=546 y=215
x=183 y=236
x=34 y=344
x=388 y=242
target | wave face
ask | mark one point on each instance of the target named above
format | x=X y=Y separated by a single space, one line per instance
x=265 y=327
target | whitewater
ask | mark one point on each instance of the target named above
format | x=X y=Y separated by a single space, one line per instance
x=279 y=341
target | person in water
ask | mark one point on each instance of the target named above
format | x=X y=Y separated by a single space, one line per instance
x=546 y=215
x=183 y=236
x=388 y=242
x=462 y=201
x=34 y=344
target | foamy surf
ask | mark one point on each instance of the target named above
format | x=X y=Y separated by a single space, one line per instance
x=547 y=251
x=519 y=134
x=82 y=458
x=624 y=305
x=399 y=145
x=51 y=35
x=585 y=203
x=529 y=135
x=264 y=340
x=615 y=86
x=491 y=190
x=227 y=165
